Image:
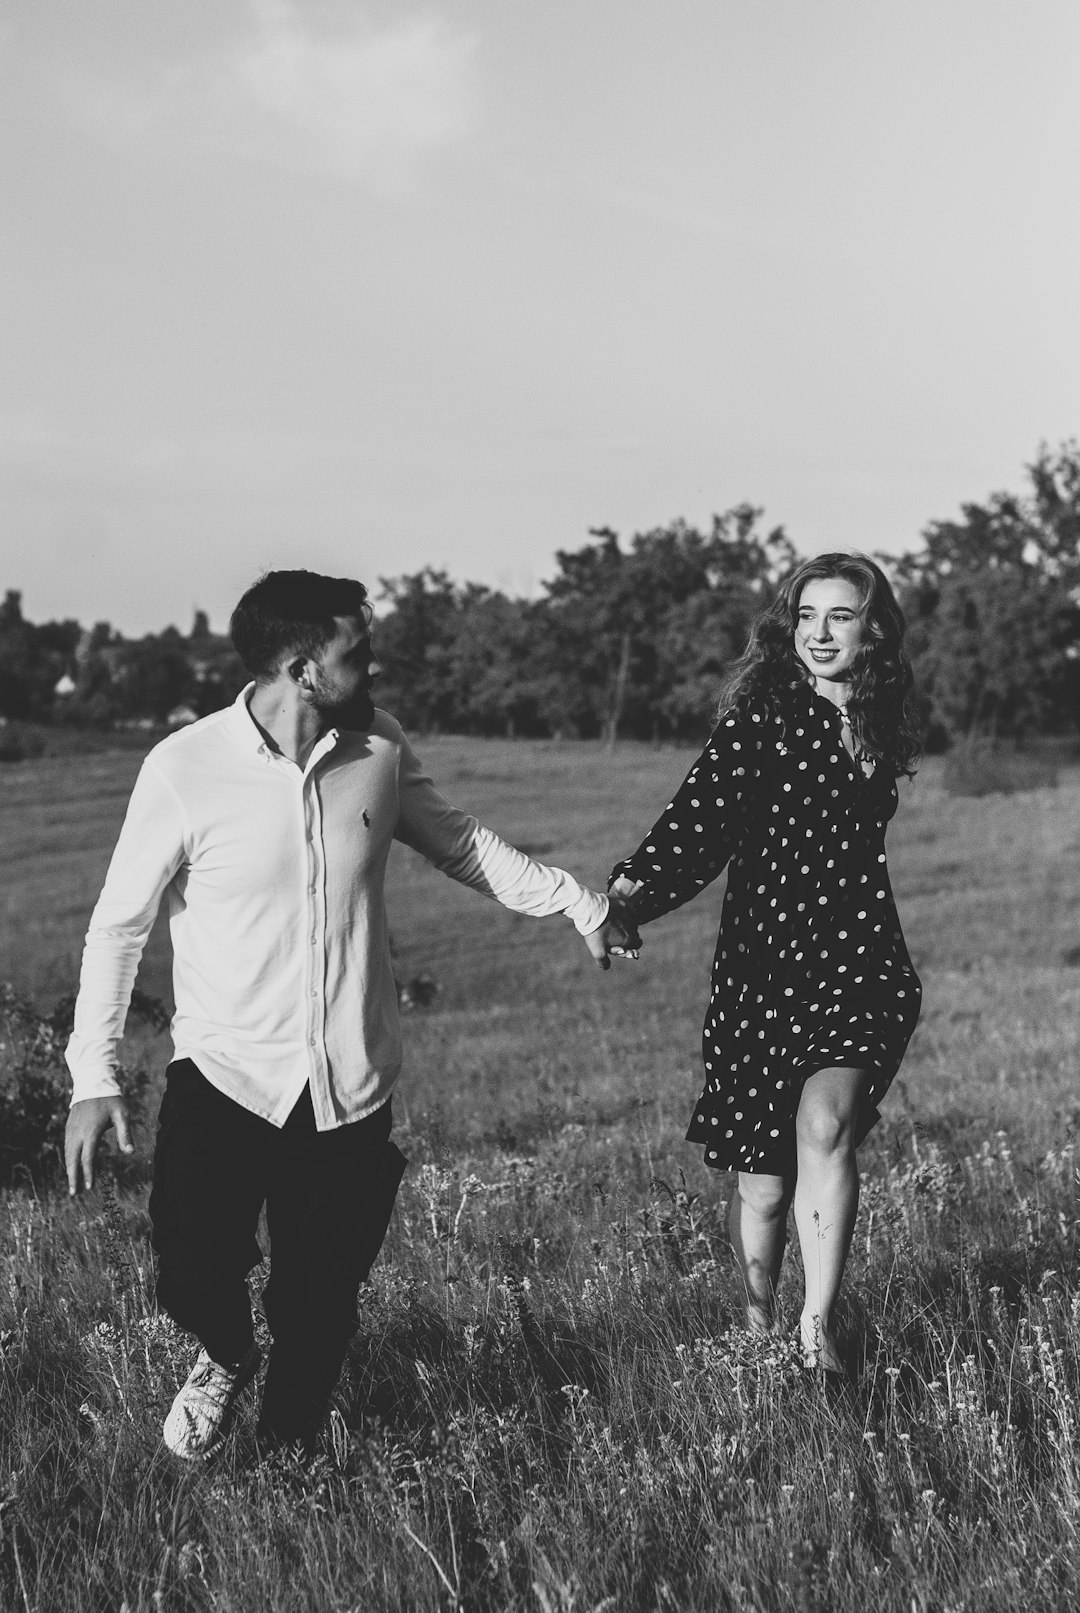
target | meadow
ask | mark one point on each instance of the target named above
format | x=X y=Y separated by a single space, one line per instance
x=550 y=1403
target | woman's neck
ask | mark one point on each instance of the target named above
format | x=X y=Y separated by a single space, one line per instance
x=837 y=693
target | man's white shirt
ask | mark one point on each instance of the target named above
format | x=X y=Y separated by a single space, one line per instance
x=274 y=881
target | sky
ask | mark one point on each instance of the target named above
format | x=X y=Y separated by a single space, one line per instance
x=369 y=287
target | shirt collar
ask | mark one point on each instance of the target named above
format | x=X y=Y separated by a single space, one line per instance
x=821 y=702
x=250 y=736
x=243 y=725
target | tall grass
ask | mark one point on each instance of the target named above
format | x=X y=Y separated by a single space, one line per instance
x=550 y=1403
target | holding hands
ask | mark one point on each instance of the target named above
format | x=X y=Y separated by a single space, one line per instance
x=618 y=936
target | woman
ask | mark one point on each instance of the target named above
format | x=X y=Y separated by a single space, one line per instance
x=814 y=996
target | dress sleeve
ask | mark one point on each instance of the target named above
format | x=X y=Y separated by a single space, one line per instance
x=690 y=843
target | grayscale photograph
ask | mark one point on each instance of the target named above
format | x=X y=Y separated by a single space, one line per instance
x=539 y=806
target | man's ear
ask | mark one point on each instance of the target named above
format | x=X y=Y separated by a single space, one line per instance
x=298 y=671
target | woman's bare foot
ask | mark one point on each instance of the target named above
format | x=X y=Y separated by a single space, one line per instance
x=760 y=1318
x=819 y=1349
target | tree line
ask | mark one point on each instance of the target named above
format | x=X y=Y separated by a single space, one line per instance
x=632 y=639
x=95 y=677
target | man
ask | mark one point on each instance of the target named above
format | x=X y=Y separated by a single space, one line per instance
x=267 y=827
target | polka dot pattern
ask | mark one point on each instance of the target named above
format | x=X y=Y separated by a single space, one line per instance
x=811 y=970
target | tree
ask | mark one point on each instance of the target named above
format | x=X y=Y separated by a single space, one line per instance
x=413 y=643
x=998 y=662
x=219 y=673
x=488 y=664
x=698 y=641
x=32 y=660
x=993 y=602
x=153 y=676
x=619 y=622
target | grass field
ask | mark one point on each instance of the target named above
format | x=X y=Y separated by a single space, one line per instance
x=550 y=1404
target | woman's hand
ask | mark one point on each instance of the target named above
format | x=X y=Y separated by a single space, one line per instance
x=621 y=896
x=627 y=941
x=618 y=936
x=625 y=887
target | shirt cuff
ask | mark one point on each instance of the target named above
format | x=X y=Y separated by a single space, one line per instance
x=589 y=911
x=94 y=1084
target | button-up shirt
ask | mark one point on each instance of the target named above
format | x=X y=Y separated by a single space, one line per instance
x=274 y=879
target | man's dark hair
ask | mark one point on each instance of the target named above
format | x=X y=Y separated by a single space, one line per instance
x=291 y=613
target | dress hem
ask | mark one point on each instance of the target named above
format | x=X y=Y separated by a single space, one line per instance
x=779 y=1160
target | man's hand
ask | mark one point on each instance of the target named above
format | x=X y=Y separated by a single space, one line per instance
x=618 y=935
x=85 y=1123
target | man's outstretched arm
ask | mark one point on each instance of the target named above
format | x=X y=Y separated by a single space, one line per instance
x=475 y=856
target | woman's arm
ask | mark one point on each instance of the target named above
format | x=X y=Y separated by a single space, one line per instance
x=691 y=841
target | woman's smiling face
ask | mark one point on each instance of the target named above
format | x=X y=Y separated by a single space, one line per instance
x=829 y=627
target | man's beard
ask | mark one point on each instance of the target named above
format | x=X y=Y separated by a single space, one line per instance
x=356 y=712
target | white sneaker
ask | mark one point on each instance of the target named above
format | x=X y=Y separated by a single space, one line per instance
x=200 y=1414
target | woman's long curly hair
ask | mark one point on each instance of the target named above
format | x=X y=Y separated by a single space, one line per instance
x=881 y=707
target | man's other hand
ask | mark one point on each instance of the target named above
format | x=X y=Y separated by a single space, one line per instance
x=86 y=1122
x=618 y=935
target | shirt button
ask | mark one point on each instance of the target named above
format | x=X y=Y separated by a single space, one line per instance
x=313 y=1041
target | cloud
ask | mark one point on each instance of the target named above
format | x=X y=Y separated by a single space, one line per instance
x=365 y=103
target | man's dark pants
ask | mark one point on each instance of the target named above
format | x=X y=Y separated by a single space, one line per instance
x=328 y=1195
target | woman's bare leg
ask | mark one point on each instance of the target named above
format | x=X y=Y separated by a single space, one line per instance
x=826 y=1201
x=757 y=1227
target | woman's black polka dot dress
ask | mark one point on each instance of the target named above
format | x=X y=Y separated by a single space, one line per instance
x=811 y=970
